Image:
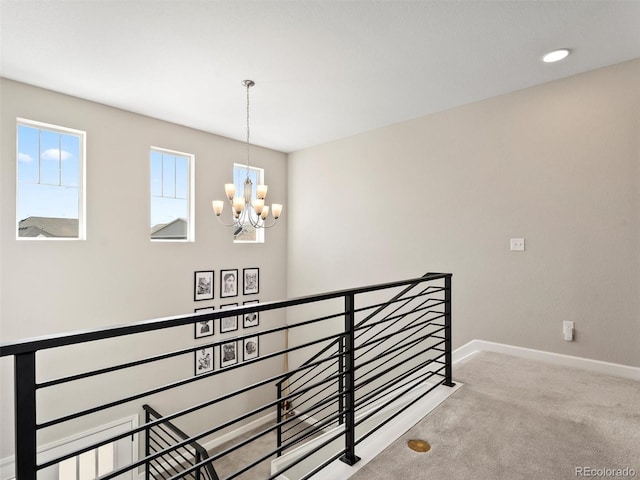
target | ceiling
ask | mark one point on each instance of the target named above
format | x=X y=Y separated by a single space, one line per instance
x=323 y=69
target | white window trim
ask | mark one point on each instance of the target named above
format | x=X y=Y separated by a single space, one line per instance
x=191 y=221
x=82 y=197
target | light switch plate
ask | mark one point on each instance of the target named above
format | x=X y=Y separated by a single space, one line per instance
x=517 y=244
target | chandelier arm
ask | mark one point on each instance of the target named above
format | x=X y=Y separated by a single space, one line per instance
x=226 y=224
x=269 y=226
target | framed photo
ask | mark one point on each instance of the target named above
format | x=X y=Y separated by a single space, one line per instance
x=228 y=283
x=228 y=324
x=203 y=360
x=204 y=328
x=251 y=319
x=228 y=354
x=251 y=281
x=203 y=285
x=250 y=348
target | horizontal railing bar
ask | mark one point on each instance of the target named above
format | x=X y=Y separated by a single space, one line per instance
x=424 y=293
x=398 y=348
x=192 y=409
x=364 y=329
x=60 y=340
x=326 y=401
x=395 y=414
x=175 y=384
x=391 y=321
x=386 y=353
x=311 y=397
x=372 y=344
x=326 y=367
x=171 y=426
x=320 y=402
x=405 y=346
x=426 y=310
x=199 y=449
x=367 y=327
x=268 y=455
x=184 y=351
x=172 y=453
x=411 y=283
x=313 y=427
x=366 y=416
x=162 y=473
x=378 y=343
x=235 y=447
x=367 y=397
x=361 y=383
x=201 y=434
x=378 y=395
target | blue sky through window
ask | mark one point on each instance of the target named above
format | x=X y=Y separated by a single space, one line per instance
x=169 y=187
x=48 y=173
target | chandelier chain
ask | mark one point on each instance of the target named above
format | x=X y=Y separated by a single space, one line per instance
x=248 y=86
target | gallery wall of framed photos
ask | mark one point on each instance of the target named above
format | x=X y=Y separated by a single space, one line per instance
x=232 y=284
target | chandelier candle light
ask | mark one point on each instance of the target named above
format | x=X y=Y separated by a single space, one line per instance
x=245 y=212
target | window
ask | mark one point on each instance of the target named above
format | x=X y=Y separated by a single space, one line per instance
x=247 y=234
x=50 y=201
x=171 y=195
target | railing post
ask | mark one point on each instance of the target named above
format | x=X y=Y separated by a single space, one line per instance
x=198 y=460
x=279 y=408
x=448 y=380
x=341 y=380
x=147 y=448
x=349 y=457
x=25 y=408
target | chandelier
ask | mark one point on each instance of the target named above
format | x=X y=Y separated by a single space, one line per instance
x=245 y=211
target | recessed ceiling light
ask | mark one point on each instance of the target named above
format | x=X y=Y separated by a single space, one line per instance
x=556 y=55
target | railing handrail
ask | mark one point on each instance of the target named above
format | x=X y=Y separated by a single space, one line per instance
x=363 y=321
x=71 y=338
x=183 y=436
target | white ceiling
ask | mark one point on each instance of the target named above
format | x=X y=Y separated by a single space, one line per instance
x=323 y=69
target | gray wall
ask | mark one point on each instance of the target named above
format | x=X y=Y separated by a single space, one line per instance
x=117 y=275
x=558 y=164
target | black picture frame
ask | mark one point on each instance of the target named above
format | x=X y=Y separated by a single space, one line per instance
x=228 y=353
x=204 y=328
x=250 y=348
x=203 y=360
x=250 y=281
x=228 y=283
x=203 y=285
x=250 y=320
x=228 y=324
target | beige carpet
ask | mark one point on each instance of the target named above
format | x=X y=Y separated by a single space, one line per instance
x=518 y=419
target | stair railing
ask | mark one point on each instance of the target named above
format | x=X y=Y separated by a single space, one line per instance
x=161 y=437
x=379 y=352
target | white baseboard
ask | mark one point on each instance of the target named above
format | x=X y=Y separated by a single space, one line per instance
x=216 y=442
x=606 y=368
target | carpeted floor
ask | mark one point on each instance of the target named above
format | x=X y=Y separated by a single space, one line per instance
x=519 y=419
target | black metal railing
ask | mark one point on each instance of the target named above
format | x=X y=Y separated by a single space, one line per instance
x=340 y=361
x=401 y=344
x=161 y=437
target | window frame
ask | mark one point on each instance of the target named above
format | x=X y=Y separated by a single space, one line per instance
x=191 y=232
x=82 y=177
